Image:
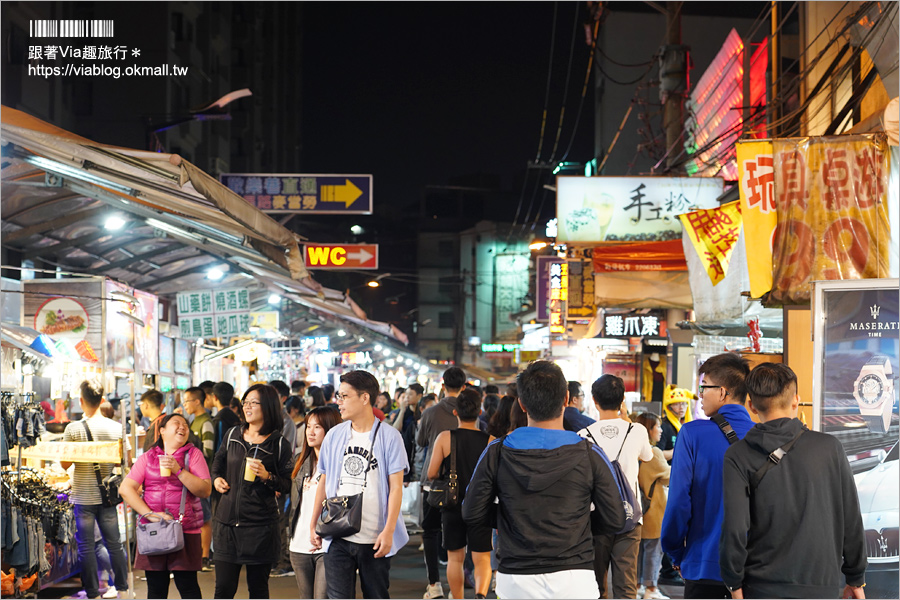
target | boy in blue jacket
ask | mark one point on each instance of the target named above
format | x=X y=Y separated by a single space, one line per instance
x=693 y=519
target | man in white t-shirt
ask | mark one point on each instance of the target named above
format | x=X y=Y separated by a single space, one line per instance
x=362 y=455
x=630 y=444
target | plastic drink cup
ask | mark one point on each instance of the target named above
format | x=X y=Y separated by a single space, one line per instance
x=165 y=471
x=249 y=475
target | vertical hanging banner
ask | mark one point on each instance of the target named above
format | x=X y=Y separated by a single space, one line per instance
x=756 y=181
x=714 y=233
x=559 y=296
x=831 y=201
x=543 y=286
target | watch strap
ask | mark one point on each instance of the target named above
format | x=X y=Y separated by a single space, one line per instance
x=876 y=423
x=881 y=360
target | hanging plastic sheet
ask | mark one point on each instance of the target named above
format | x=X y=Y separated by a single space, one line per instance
x=831 y=198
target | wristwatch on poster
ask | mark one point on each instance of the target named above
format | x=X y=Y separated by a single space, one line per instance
x=874 y=393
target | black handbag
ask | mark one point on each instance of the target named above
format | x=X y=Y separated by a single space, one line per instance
x=109 y=485
x=444 y=493
x=342 y=515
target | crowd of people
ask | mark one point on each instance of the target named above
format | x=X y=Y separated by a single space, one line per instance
x=522 y=494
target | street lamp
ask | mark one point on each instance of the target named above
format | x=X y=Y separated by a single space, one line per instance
x=214 y=111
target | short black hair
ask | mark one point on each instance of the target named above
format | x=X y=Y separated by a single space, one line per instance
x=281 y=387
x=295 y=403
x=363 y=382
x=490 y=404
x=468 y=405
x=417 y=388
x=771 y=386
x=542 y=388
x=574 y=389
x=476 y=389
x=195 y=391
x=92 y=392
x=207 y=386
x=270 y=403
x=328 y=390
x=729 y=370
x=297 y=385
x=492 y=389
x=224 y=393
x=454 y=378
x=154 y=397
x=608 y=392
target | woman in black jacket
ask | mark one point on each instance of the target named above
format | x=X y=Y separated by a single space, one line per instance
x=253 y=462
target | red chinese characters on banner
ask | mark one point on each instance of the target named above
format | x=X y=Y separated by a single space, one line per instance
x=831 y=201
x=760 y=184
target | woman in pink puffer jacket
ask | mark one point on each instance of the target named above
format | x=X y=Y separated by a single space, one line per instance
x=161 y=499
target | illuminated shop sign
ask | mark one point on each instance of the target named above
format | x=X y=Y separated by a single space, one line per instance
x=559 y=295
x=355 y=358
x=499 y=347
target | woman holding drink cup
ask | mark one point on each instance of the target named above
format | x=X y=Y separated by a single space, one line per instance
x=252 y=464
x=162 y=473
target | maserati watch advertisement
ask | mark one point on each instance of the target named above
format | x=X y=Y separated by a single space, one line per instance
x=857 y=342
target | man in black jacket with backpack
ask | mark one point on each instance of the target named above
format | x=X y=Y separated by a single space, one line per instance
x=792 y=524
x=546 y=479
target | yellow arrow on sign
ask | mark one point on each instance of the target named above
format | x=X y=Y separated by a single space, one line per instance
x=346 y=194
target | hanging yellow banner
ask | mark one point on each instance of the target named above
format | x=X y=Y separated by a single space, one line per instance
x=756 y=181
x=832 y=204
x=714 y=233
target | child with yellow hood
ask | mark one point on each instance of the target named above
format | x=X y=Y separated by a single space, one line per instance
x=676 y=412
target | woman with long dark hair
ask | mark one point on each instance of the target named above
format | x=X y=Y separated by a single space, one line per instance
x=509 y=416
x=317 y=395
x=252 y=464
x=308 y=563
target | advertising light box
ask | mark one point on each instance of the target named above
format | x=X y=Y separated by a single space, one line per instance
x=593 y=210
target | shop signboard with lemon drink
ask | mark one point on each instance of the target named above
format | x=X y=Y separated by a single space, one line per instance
x=592 y=210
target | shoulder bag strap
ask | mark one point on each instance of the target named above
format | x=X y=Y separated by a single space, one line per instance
x=591 y=435
x=773 y=460
x=187 y=459
x=452 y=455
x=627 y=431
x=371 y=455
x=726 y=428
x=96 y=465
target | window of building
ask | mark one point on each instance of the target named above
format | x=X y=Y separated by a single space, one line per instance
x=446 y=320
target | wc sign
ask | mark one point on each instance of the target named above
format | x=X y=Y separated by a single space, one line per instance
x=341 y=256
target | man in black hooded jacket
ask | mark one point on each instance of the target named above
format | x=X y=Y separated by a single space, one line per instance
x=546 y=479
x=792 y=531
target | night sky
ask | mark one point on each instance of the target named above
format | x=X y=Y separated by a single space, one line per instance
x=418 y=92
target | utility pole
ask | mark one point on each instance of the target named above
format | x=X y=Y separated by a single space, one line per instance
x=773 y=105
x=673 y=82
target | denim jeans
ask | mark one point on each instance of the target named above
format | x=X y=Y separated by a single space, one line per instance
x=650 y=562
x=85 y=517
x=341 y=563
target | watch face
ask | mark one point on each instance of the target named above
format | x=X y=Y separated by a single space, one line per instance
x=869 y=389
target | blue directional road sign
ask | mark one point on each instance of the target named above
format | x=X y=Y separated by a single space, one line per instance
x=300 y=193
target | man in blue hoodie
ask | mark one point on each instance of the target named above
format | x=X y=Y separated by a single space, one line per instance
x=693 y=520
x=545 y=480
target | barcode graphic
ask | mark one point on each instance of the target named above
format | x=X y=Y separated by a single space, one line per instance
x=75 y=28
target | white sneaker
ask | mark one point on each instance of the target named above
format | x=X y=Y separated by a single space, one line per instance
x=110 y=592
x=655 y=595
x=640 y=592
x=435 y=590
